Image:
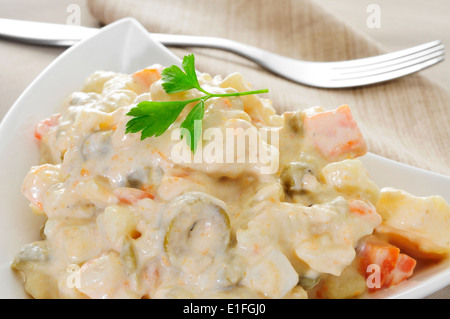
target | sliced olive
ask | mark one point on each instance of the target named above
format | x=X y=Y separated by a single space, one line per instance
x=142 y=177
x=309 y=281
x=294 y=120
x=33 y=261
x=97 y=145
x=31 y=253
x=136 y=178
x=198 y=232
x=292 y=176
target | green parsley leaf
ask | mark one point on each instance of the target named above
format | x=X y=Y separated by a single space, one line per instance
x=195 y=131
x=175 y=80
x=154 y=118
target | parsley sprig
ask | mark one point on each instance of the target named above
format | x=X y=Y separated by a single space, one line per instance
x=153 y=118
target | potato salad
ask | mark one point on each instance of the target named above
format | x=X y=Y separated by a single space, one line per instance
x=268 y=206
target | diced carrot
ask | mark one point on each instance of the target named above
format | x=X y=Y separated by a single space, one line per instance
x=394 y=267
x=335 y=134
x=45 y=125
x=382 y=255
x=403 y=270
x=130 y=195
x=146 y=77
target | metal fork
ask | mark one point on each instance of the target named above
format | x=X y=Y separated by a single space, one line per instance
x=342 y=74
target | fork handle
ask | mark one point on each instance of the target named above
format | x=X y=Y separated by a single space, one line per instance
x=247 y=51
x=43 y=33
x=66 y=35
x=270 y=61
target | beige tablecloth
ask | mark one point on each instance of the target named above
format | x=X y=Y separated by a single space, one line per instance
x=406 y=120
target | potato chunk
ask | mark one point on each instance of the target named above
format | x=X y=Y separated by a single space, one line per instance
x=350 y=178
x=350 y=284
x=420 y=225
x=273 y=276
x=104 y=277
x=37 y=182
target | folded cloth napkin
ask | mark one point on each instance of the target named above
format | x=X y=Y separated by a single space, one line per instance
x=406 y=119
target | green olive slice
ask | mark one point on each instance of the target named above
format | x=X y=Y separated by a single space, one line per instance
x=198 y=232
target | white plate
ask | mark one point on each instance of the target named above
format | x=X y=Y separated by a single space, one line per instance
x=125 y=46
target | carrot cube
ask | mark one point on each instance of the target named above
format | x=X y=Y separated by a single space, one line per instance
x=335 y=134
x=394 y=267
